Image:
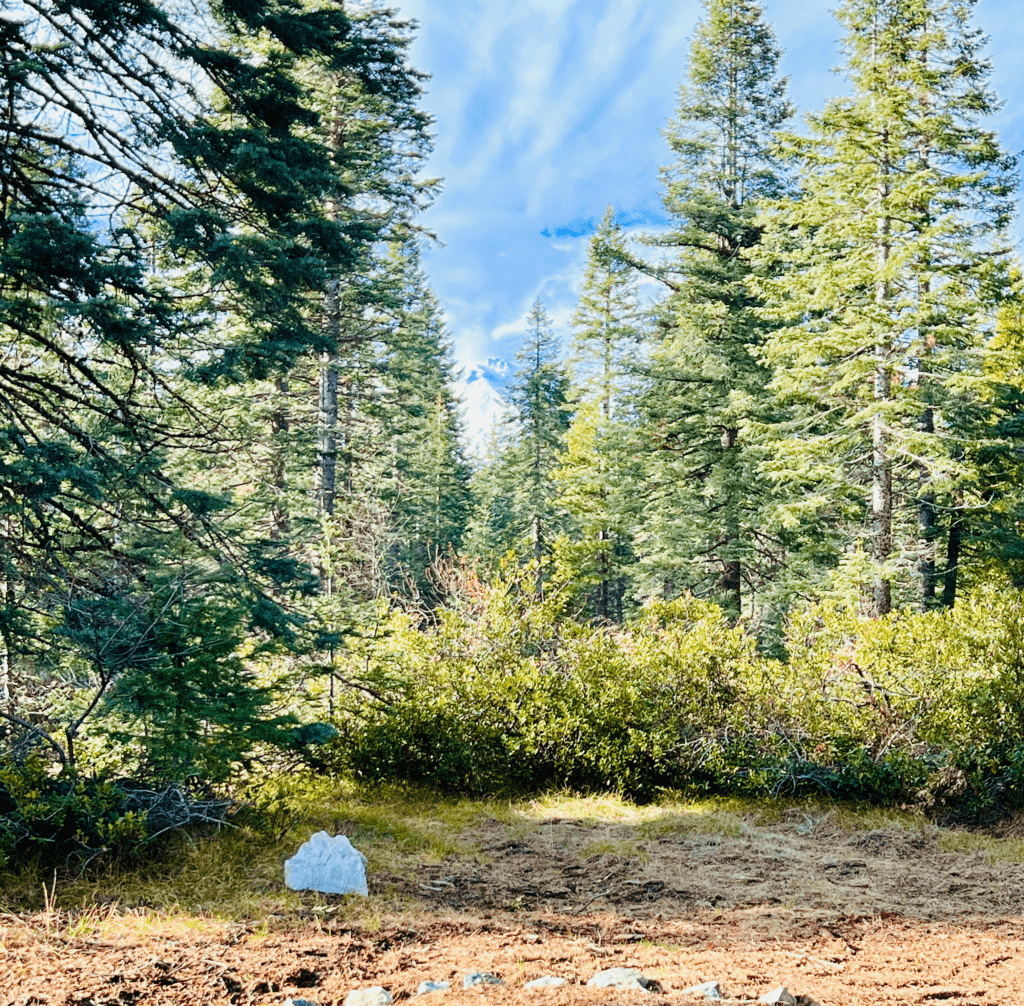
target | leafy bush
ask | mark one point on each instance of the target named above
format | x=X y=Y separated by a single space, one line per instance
x=508 y=692
x=65 y=816
x=511 y=694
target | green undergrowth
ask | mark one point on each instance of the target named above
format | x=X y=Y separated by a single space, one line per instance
x=508 y=694
x=236 y=871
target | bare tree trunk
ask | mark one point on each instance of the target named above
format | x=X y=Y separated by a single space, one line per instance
x=603 y=586
x=328 y=411
x=881 y=462
x=279 y=427
x=731 y=580
x=6 y=698
x=926 y=521
x=881 y=513
x=538 y=554
x=953 y=543
x=7 y=600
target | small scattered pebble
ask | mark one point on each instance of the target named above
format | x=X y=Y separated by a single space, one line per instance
x=376 y=996
x=425 y=988
x=547 y=982
x=709 y=990
x=620 y=978
x=480 y=978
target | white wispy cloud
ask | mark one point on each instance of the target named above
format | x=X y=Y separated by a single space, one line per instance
x=548 y=110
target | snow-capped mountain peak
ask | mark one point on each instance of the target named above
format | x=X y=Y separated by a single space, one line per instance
x=484 y=393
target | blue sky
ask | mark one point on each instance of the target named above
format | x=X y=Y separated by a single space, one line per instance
x=548 y=110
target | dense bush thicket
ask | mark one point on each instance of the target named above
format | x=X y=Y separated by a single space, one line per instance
x=505 y=691
x=76 y=817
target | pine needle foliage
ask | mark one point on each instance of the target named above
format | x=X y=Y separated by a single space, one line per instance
x=886 y=273
x=705 y=519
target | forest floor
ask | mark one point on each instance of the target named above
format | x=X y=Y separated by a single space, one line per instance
x=840 y=909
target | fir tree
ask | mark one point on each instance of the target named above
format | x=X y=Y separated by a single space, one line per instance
x=599 y=467
x=705 y=514
x=540 y=396
x=888 y=266
x=138 y=210
x=994 y=538
x=516 y=491
x=428 y=485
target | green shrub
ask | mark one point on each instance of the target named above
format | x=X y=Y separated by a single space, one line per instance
x=513 y=695
x=57 y=817
x=510 y=693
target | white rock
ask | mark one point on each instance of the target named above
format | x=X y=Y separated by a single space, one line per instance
x=329 y=865
x=779 y=995
x=425 y=988
x=619 y=978
x=548 y=982
x=480 y=978
x=375 y=996
x=709 y=990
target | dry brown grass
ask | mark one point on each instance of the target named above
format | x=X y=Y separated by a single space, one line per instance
x=235 y=875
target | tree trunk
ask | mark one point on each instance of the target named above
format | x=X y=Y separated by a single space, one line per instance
x=538 y=554
x=881 y=463
x=328 y=410
x=279 y=426
x=6 y=697
x=881 y=516
x=926 y=521
x=731 y=580
x=7 y=600
x=953 y=543
x=603 y=587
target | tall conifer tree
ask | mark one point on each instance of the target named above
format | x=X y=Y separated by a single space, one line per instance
x=161 y=173
x=887 y=271
x=516 y=490
x=706 y=383
x=599 y=469
x=540 y=397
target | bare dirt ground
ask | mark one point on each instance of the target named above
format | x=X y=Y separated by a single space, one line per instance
x=840 y=917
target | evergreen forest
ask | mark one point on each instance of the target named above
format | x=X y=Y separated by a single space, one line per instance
x=761 y=532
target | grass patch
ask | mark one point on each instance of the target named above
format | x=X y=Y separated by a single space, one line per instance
x=991 y=849
x=614 y=847
x=236 y=874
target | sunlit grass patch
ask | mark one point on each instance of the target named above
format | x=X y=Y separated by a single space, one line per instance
x=861 y=817
x=614 y=847
x=109 y=922
x=234 y=876
x=586 y=810
x=670 y=814
x=991 y=849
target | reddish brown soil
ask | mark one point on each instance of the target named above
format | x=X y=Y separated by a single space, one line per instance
x=831 y=958
x=840 y=918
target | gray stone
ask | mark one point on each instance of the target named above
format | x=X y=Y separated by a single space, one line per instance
x=326 y=864
x=425 y=988
x=709 y=990
x=375 y=996
x=298 y=1002
x=548 y=982
x=780 y=995
x=480 y=978
x=622 y=978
